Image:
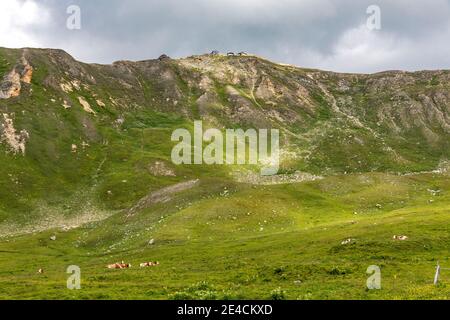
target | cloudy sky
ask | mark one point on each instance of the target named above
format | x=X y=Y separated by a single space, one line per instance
x=326 y=34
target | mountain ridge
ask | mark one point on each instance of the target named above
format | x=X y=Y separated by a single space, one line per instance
x=87 y=179
x=65 y=118
x=43 y=49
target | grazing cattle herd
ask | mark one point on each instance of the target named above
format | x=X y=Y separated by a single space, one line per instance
x=149 y=264
x=123 y=265
x=118 y=265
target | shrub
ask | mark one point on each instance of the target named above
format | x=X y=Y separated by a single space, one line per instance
x=199 y=291
x=336 y=271
x=278 y=270
x=277 y=294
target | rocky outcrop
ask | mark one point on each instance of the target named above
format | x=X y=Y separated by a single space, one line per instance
x=161 y=196
x=86 y=106
x=11 y=86
x=160 y=169
x=27 y=72
x=391 y=114
x=15 y=141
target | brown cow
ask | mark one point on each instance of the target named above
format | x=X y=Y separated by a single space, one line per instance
x=117 y=265
x=149 y=264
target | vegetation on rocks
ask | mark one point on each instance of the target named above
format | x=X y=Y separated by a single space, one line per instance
x=85 y=158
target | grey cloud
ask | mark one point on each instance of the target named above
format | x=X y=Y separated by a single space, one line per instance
x=309 y=33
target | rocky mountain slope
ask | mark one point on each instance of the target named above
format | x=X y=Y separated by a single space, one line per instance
x=70 y=129
x=86 y=179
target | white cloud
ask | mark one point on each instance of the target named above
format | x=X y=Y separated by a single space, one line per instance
x=362 y=49
x=17 y=19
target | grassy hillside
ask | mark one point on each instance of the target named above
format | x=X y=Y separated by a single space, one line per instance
x=85 y=156
x=237 y=246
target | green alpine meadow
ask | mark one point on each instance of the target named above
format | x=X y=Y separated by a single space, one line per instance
x=92 y=205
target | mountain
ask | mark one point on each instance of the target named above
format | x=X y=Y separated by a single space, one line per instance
x=85 y=152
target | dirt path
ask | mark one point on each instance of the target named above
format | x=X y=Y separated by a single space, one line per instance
x=257 y=179
x=161 y=196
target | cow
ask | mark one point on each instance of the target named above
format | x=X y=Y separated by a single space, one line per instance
x=401 y=238
x=117 y=265
x=149 y=264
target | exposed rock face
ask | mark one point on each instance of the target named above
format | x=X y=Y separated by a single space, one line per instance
x=10 y=86
x=8 y=135
x=159 y=168
x=326 y=119
x=66 y=105
x=86 y=106
x=100 y=103
x=66 y=87
x=70 y=86
x=27 y=72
